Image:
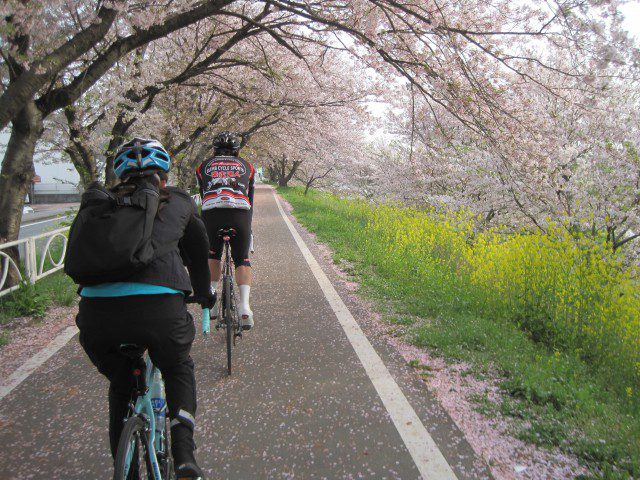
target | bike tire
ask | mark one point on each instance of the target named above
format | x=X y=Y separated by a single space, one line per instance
x=228 y=320
x=133 y=437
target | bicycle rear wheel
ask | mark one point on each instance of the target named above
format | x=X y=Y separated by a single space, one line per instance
x=132 y=458
x=228 y=319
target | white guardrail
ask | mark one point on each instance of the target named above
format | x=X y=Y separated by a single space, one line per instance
x=34 y=269
x=34 y=264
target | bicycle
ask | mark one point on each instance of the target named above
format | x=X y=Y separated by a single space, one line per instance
x=143 y=449
x=227 y=315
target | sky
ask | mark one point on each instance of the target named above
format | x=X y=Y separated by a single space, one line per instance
x=65 y=172
x=631 y=11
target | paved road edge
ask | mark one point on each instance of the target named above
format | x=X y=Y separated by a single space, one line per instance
x=31 y=365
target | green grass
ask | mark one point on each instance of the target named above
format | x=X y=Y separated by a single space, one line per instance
x=59 y=289
x=33 y=300
x=555 y=397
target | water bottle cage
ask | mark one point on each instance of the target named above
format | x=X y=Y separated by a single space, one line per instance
x=140 y=387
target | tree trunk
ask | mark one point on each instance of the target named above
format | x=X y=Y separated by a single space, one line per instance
x=17 y=175
x=283 y=176
x=85 y=164
x=284 y=180
x=118 y=133
x=309 y=179
x=81 y=156
x=308 y=186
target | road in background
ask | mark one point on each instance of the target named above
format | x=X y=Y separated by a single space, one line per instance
x=41 y=226
x=44 y=218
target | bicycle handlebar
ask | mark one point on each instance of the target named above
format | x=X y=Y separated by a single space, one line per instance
x=206 y=320
x=206 y=315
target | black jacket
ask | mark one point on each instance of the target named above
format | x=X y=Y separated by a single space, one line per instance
x=178 y=222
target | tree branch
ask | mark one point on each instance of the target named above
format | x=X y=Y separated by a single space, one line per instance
x=43 y=71
x=67 y=95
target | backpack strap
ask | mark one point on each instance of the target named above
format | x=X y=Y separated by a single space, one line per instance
x=124 y=201
x=96 y=193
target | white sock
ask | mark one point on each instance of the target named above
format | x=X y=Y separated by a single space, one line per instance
x=244 y=295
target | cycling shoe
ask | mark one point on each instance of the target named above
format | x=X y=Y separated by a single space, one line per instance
x=189 y=471
x=246 y=317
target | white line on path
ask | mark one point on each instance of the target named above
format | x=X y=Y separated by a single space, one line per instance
x=425 y=453
x=28 y=367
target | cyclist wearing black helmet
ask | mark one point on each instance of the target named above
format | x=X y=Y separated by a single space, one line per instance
x=148 y=308
x=226 y=184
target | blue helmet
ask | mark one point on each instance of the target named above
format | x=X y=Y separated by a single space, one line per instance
x=139 y=155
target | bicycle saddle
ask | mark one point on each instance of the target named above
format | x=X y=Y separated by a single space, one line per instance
x=227 y=232
x=132 y=350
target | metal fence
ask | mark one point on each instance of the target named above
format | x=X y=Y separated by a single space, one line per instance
x=38 y=257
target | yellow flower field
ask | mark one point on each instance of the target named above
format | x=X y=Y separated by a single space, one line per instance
x=572 y=293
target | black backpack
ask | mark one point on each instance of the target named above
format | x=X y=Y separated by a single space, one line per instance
x=110 y=238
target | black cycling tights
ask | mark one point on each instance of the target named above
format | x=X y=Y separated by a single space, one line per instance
x=217 y=218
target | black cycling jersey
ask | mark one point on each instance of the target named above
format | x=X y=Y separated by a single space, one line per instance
x=226 y=182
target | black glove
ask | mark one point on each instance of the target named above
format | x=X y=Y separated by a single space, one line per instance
x=205 y=301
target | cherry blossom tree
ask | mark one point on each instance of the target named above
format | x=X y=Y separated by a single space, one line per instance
x=315 y=146
x=568 y=161
x=478 y=65
x=258 y=87
x=53 y=52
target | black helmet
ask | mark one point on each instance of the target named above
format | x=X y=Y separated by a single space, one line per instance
x=227 y=142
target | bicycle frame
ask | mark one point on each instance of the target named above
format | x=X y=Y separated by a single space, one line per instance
x=144 y=407
x=228 y=269
x=227 y=272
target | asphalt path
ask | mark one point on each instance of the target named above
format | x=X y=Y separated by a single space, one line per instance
x=300 y=404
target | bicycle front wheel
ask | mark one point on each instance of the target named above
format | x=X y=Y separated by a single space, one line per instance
x=228 y=319
x=132 y=458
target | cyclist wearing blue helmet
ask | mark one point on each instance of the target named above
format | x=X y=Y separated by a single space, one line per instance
x=148 y=307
